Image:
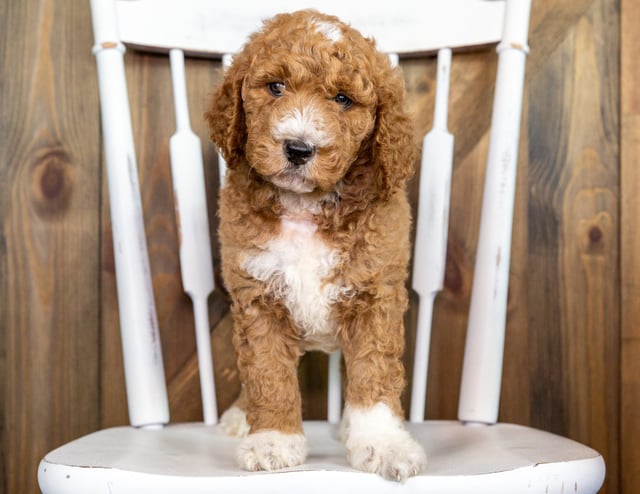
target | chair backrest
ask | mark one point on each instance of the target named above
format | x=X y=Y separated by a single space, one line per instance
x=213 y=29
x=404 y=28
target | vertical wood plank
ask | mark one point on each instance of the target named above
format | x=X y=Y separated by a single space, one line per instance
x=547 y=126
x=573 y=237
x=49 y=206
x=630 y=246
x=4 y=267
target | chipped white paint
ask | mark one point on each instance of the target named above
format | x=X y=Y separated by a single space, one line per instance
x=484 y=347
x=142 y=352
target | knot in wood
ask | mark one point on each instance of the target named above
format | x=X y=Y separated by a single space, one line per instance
x=51 y=182
x=595 y=234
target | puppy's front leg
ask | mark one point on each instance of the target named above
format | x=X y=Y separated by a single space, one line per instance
x=268 y=355
x=372 y=428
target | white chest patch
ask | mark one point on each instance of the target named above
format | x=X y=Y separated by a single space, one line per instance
x=295 y=265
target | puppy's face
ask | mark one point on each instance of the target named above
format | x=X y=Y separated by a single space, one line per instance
x=309 y=105
x=309 y=102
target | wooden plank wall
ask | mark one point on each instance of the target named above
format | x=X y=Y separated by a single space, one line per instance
x=573 y=344
x=49 y=238
x=630 y=245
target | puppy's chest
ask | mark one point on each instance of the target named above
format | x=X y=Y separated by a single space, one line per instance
x=295 y=267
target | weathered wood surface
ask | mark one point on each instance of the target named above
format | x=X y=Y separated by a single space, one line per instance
x=49 y=247
x=630 y=245
x=571 y=361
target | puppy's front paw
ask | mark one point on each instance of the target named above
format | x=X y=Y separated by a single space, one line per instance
x=234 y=422
x=394 y=459
x=377 y=442
x=272 y=450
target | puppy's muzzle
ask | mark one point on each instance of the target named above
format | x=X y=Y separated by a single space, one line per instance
x=298 y=152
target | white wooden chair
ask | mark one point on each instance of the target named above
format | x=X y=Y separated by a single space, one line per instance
x=475 y=454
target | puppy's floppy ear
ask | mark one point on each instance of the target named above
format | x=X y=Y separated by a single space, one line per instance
x=394 y=147
x=226 y=115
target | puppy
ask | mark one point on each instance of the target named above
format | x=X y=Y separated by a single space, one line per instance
x=314 y=233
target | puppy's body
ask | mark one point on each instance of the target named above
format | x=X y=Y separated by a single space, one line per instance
x=314 y=231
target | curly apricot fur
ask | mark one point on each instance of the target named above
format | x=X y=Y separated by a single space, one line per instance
x=365 y=155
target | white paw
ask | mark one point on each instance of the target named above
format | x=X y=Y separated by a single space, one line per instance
x=378 y=442
x=234 y=422
x=272 y=450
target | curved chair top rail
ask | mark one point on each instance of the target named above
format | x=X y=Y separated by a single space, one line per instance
x=405 y=27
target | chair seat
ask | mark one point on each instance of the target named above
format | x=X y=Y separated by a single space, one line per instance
x=194 y=458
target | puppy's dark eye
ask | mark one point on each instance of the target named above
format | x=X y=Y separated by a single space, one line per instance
x=343 y=100
x=276 y=88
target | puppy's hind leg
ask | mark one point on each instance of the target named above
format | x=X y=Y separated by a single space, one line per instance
x=233 y=421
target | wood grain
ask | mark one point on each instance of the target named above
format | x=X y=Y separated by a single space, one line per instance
x=49 y=218
x=573 y=238
x=630 y=245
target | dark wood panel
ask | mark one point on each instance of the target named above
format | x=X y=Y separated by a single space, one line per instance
x=573 y=237
x=49 y=218
x=630 y=246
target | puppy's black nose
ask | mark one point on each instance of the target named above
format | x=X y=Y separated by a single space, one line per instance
x=298 y=152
